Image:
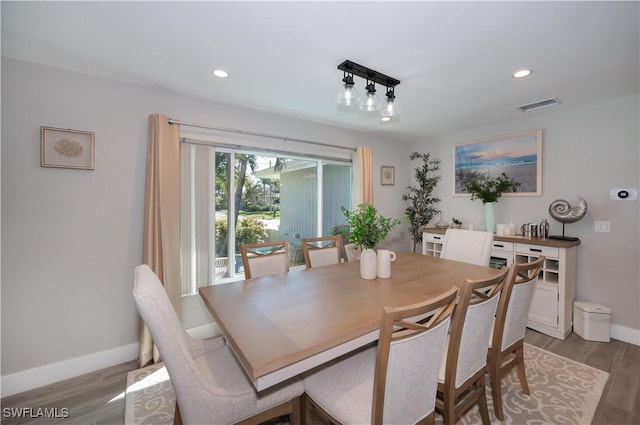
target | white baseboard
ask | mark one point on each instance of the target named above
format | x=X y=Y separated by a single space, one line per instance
x=45 y=375
x=623 y=333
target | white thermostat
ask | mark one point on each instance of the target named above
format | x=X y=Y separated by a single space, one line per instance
x=623 y=194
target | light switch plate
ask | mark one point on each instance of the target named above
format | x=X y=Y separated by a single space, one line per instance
x=601 y=226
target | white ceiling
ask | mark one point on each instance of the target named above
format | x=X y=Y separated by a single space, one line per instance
x=454 y=59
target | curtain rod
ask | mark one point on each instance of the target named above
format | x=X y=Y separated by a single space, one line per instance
x=252 y=133
x=262 y=150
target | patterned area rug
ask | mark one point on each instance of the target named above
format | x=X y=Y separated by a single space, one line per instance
x=562 y=392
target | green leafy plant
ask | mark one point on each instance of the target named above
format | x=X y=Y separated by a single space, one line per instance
x=456 y=221
x=422 y=204
x=368 y=228
x=340 y=229
x=488 y=188
x=248 y=230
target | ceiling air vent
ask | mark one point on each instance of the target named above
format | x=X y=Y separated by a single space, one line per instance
x=539 y=105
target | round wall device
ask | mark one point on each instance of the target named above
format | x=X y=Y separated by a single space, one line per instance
x=623 y=194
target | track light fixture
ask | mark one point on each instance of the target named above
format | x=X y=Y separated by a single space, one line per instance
x=349 y=97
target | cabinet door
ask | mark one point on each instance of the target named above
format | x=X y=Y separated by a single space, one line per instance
x=432 y=244
x=544 y=305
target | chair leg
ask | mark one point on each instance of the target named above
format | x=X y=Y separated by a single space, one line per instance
x=306 y=410
x=449 y=409
x=522 y=374
x=177 y=419
x=429 y=420
x=482 y=402
x=295 y=417
x=496 y=391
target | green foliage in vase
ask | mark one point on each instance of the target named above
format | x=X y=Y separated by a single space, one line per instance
x=488 y=188
x=456 y=221
x=368 y=228
x=422 y=205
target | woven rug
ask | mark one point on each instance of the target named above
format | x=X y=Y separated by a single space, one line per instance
x=562 y=392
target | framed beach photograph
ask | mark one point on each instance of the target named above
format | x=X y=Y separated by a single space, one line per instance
x=387 y=175
x=66 y=148
x=518 y=155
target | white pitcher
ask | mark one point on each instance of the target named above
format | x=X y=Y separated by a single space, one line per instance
x=385 y=257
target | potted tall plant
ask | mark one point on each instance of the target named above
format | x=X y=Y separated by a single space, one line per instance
x=422 y=204
x=368 y=229
x=489 y=189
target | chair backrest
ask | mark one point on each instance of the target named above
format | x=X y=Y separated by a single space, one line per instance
x=471 y=327
x=350 y=251
x=265 y=258
x=513 y=308
x=468 y=246
x=408 y=357
x=169 y=336
x=322 y=251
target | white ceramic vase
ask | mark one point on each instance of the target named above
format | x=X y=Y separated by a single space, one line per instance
x=368 y=264
x=490 y=217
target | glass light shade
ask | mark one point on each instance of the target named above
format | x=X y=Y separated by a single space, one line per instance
x=349 y=96
x=390 y=110
x=371 y=103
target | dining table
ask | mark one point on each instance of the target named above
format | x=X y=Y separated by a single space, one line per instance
x=282 y=325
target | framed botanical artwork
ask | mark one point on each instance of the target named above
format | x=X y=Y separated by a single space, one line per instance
x=518 y=155
x=66 y=148
x=387 y=175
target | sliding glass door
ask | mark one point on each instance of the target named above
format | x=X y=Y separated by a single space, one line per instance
x=253 y=197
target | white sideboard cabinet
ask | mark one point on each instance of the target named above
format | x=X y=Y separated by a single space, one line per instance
x=551 y=310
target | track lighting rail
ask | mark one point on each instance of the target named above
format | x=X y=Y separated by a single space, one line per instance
x=368 y=74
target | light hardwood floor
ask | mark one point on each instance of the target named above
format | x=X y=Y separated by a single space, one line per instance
x=98 y=397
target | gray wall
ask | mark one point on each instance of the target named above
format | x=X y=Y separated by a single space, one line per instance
x=71 y=238
x=586 y=151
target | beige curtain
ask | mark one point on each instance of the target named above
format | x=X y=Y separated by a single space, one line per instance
x=362 y=176
x=161 y=243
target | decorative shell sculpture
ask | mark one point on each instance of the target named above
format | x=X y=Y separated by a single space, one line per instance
x=562 y=211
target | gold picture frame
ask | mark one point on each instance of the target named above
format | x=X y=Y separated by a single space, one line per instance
x=67 y=148
x=387 y=175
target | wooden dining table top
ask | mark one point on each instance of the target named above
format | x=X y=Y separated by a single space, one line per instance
x=282 y=325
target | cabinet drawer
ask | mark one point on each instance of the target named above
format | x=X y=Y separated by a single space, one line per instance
x=433 y=237
x=502 y=246
x=538 y=250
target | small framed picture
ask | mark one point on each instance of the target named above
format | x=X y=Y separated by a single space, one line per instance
x=66 y=148
x=387 y=175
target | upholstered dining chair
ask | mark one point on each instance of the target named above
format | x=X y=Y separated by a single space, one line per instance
x=322 y=251
x=468 y=246
x=210 y=385
x=350 y=251
x=393 y=383
x=461 y=380
x=265 y=258
x=506 y=349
